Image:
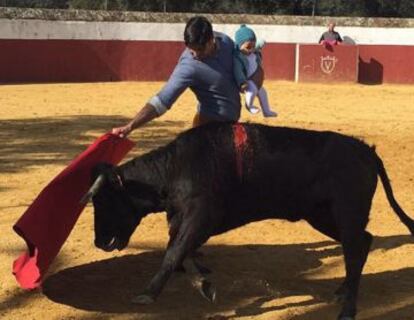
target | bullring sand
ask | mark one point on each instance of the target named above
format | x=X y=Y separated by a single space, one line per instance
x=266 y=270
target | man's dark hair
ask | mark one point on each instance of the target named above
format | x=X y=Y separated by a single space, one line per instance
x=198 y=32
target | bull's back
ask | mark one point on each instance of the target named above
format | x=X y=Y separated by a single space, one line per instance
x=255 y=150
x=271 y=172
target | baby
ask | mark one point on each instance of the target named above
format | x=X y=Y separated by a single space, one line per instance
x=248 y=70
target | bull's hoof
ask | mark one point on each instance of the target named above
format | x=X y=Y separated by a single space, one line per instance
x=208 y=291
x=180 y=269
x=340 y=294
x=339 y=298
x=143 y=299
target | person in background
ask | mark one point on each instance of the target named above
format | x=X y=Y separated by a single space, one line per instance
x=206 y=67
x=330 y=37
x=248 y=70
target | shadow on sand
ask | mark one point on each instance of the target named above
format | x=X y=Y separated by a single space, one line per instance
x=250 y=281
x=58 y=140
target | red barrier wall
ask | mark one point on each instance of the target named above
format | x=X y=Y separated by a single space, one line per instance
x=279 y=61
x=92 y=60
x=318 y=63
x=86 y=60
x=114 y=60
x=386 y=64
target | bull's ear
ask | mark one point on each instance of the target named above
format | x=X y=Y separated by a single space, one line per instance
x=109 y=171
x=101 y=168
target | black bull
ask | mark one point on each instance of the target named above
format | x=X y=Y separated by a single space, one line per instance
x=219 y=177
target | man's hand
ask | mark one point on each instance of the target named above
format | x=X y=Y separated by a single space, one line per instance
x=146 y=114
x=123 y=131
x=243 y=87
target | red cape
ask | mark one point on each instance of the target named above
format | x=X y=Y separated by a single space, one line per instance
x=48 y=221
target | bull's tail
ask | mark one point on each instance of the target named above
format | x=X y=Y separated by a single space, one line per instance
x=409 y=223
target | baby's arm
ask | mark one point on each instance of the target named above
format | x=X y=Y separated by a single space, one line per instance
x=239 y=71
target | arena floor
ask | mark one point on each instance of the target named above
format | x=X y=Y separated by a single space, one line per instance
x=266 y=270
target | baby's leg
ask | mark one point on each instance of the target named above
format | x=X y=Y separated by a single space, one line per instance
x=250 y=94
x=264 y=103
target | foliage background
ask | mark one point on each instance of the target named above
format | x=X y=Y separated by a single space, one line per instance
x=350 y=8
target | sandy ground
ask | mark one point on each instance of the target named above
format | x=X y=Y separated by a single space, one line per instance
x=267 y=270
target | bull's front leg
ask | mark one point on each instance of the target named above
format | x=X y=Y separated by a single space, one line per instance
x=172 y=260
x=199 y=279
x=191 y=235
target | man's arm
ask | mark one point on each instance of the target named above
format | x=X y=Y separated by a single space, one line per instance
x=181 y=78
x=146 y=114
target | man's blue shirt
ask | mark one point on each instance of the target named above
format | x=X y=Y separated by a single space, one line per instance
x=211 y=80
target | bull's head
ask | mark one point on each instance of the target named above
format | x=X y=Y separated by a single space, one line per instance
x=116 y=216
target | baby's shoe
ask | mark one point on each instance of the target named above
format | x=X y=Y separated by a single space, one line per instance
x=269 y=114
x=253 y=109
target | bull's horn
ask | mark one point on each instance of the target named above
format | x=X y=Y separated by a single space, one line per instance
x=93 y=190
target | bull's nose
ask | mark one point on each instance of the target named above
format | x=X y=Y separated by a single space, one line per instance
x=101 y=243
x=107 y=245
x=98 y=243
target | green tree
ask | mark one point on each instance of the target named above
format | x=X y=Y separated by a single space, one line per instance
x=406 y=9
x=350 y=8
x=388 y=8
x=305 y=7
x=371 y=8
x=149 y=5
x=99 y=4
x=51 y=4
x=216 y=6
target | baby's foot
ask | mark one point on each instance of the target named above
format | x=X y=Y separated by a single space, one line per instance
x=269 y=114
x=253 y=109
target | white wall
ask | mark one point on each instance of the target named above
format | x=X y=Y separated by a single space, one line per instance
x=80 y=30
x=311 y=34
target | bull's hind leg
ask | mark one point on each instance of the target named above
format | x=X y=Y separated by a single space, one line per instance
x=356 y=247
x=323 y=220
x=343 y=289
x=356 y=243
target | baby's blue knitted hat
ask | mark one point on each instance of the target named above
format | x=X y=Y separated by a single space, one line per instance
x=244 y=34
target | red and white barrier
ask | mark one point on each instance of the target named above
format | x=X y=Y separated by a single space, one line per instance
x=73 y=51
x=327 y=63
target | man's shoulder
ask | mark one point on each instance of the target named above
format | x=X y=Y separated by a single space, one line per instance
x=224 y=38
x=186 y=63
x=237 y=53
x=186 y=55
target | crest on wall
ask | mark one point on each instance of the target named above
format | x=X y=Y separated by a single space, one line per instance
x=328 y=64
